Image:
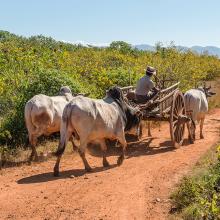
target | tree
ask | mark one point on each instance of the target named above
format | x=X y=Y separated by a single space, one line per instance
x=121 y=46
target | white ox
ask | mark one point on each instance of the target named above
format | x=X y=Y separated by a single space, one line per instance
x=196 y=107
x=90 y=120
x=43 y=115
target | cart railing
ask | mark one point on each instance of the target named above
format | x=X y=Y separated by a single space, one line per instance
x=126 y=89
x=163 y=100
x=166 y=97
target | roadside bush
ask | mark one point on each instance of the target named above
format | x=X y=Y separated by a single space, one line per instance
x=198 y=196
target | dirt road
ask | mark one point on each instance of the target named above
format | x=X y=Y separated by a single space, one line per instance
x=139 y=189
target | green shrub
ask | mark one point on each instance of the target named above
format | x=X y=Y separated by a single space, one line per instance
x=198 y=196
x=187 y=193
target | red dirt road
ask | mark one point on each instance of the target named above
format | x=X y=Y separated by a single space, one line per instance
x=139 y=189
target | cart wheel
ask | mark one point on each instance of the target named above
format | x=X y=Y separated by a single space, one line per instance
x=177 y=125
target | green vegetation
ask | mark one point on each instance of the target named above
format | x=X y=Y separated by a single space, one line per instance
x=198 y=196
x=39 y=64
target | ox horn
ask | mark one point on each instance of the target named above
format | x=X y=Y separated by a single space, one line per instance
x=208 y=87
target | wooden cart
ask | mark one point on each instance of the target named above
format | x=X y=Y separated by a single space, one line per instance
x=167 y=105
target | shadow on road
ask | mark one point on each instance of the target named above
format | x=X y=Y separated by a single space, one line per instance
x=142 y=149
x=114 y=150
x=134 y=149
x=46 y=177
x=213 y=119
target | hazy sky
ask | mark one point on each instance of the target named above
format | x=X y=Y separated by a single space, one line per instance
x=186 y=22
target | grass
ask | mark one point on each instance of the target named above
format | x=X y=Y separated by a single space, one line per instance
x=198 y=195
x=10 y=157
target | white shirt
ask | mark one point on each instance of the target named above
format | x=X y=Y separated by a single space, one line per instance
x=144 y=85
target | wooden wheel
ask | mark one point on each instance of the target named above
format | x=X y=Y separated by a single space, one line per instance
x=177 y=116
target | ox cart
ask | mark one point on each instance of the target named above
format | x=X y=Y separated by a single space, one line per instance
x=167 y=105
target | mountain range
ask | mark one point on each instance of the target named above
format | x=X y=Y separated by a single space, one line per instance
x=211 y=50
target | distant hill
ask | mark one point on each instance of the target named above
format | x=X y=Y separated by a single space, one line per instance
x=144 y=47
x=212 y=50
x=5 y=35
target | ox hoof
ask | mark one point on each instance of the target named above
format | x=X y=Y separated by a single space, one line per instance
x=56 y=172
x=120 y=160
x=36 y=159
x=88 y=169
x=30 y=159
x=191 y=141
x=105 y=164
x=29 y=162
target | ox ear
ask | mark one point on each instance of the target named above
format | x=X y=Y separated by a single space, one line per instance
x=208 y=88
x=115 y=93
x=211 y=94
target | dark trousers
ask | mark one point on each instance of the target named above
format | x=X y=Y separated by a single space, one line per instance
x=145 y=98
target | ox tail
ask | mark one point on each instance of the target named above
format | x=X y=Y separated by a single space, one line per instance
x=189 y=110
x=27 y=116
x=190 y=107
x=65 y=132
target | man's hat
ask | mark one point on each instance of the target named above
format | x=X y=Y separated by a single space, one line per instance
x=150 y=70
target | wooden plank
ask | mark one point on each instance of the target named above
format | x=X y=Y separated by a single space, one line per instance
x=162 y=91
x=155 y=118
x=127 y=88
x=148 y=104
x=166 y=97
x=169 y=88
x=166 y=111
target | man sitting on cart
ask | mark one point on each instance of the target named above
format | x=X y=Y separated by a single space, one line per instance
x=145 y=89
